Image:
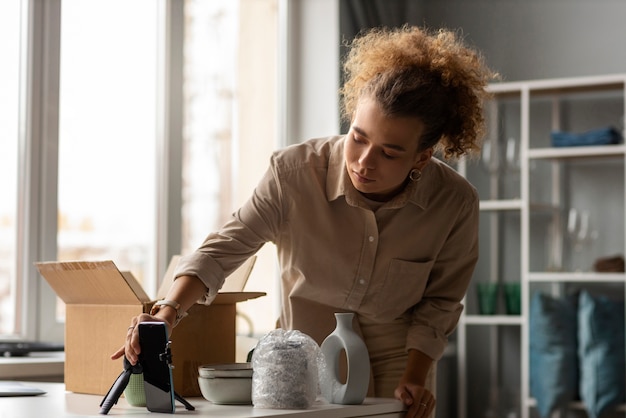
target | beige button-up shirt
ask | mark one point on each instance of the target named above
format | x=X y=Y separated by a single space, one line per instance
x=413 y=257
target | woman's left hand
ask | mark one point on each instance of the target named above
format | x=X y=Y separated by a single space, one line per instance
x=419 y=400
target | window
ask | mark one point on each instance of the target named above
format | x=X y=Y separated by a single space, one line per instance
x=107 y=133
x=9 y=86
x=126 y=112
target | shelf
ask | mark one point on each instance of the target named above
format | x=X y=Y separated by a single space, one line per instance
x=577 y=277
x=578 y=152
x=543 y=207
x=493 y=320
x=562 y=85
x=526 y=228
x=511 y=204
x=36 y=366
x=576 y=406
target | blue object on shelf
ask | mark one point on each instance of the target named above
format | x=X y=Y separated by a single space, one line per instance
x=553 y=372
x=603 y=136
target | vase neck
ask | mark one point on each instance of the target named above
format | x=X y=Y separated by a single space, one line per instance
x=344 y=320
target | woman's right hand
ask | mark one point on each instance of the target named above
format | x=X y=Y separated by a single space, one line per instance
x=186 y=290
x=131 y=347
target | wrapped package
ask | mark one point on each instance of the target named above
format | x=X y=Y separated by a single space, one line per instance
x=287 y=367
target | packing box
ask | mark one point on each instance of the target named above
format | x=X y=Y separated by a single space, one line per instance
x=100 y=302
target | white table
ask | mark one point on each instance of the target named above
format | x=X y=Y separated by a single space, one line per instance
x=58 y=403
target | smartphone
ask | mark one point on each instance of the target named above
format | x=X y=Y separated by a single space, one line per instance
x=156 y=361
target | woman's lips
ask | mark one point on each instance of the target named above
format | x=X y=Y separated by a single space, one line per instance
x=362 y=179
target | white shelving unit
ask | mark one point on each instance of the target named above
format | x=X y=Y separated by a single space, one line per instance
x=528 y=188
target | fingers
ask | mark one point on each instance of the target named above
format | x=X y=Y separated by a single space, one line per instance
x=421 y=409
x=420 y=404
x=427 y=407
x=131 y=352
x=119 y=353
x=406 y=398
x=131 y=347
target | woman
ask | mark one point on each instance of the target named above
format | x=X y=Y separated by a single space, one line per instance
x=369 y=222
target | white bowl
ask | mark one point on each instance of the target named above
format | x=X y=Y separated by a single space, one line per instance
x=226 y=384
x=226 y=390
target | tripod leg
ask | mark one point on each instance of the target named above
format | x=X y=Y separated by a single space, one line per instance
x=114 y=393
x=188 y=406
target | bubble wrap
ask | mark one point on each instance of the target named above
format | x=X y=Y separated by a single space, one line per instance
x=287 y=368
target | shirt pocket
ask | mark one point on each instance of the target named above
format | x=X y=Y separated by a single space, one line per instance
x=404 y=286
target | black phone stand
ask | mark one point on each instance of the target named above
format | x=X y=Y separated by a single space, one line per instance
x=121 y=382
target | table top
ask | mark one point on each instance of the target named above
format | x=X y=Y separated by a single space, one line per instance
x=59 y=403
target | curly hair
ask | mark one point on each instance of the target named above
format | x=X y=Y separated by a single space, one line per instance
x=433 y=76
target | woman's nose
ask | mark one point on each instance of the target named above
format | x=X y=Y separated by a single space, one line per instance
x=366 y=159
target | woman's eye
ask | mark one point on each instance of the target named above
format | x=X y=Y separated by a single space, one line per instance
x=358 y=140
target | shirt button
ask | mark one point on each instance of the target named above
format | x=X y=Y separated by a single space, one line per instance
x=371 y=238
x=361 y=281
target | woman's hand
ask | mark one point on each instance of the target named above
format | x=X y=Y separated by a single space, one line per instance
x=185 y=290
x=131 y=347
x=419 y=400
x=411 y=390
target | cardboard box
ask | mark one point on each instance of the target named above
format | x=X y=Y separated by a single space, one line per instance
x=100 y=302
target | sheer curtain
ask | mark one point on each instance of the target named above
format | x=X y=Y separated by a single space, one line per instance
x=211 y=36
x=229 y=132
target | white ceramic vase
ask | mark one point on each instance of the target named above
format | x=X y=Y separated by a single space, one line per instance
x=344 y=338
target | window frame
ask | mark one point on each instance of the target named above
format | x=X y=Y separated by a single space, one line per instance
x=37 y=165
x=38 y=142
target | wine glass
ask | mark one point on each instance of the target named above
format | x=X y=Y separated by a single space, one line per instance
x=580 y=236
x=512 y=155
x=490 y=156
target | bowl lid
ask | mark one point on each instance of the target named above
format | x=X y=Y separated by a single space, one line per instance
x=225 y=370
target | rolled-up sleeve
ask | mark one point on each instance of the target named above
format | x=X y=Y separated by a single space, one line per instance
x=436 y=316
x=249 y=228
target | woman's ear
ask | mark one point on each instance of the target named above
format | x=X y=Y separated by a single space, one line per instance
x=423 y=158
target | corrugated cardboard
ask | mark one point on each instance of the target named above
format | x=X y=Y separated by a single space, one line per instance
x=100 y=301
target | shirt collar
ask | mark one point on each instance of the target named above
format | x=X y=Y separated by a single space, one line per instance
x=338 y=183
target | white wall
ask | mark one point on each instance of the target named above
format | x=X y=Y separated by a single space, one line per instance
x=534 y=39
x=311 y=73
x=523 y=40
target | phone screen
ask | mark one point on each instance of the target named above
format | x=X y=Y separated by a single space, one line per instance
x=155 y=358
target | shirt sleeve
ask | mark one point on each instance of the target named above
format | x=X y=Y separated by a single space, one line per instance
x=248 y=229
x=436 y=316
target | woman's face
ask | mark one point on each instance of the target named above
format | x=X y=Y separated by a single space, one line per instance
x=380 y=151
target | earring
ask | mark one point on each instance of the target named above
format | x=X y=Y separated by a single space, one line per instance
x=415 y=175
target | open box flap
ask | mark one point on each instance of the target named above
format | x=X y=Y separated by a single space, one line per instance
x=92 y=282
x=234 y=283
x=225 y=298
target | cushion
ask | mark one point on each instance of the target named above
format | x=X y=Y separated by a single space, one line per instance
x=601 y=352
x=553 y=356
